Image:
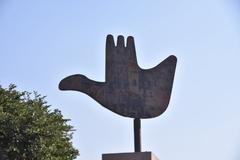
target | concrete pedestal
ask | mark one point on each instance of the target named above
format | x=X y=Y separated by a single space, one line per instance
x=130 y=156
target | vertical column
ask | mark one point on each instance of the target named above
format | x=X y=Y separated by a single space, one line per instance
x=137 y=135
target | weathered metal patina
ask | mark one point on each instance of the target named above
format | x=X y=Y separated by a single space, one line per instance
x=128 y=90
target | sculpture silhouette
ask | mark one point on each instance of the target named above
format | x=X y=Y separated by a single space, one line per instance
x=128 y=90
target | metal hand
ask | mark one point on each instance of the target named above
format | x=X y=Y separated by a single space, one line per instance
x=128 y=90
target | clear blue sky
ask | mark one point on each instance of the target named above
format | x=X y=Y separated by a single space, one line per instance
x=43 y=41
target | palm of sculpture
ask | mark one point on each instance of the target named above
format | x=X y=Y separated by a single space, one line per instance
x=128 y=90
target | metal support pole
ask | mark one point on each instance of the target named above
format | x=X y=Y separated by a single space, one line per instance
x=137 y=135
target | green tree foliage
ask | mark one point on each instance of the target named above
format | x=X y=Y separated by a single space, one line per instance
x=29 y=130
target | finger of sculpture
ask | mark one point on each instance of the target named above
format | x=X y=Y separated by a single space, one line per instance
x=81 y=83
x=131 y=45
x=109 y=43
x=120 y=41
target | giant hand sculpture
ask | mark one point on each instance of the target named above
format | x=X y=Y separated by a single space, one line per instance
x=128 y=90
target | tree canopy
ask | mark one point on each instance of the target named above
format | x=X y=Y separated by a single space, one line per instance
x=29 y=130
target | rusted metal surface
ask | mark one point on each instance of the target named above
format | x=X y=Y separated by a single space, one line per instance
x=128 y=90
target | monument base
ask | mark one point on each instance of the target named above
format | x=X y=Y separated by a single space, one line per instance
x=130 y=156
